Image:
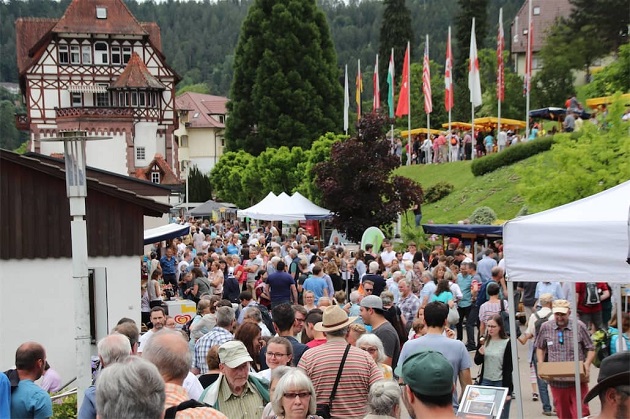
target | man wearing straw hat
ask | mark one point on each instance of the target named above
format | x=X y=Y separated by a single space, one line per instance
x=323 y=363
x=613 y=387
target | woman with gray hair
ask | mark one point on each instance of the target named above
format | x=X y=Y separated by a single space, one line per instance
x=384 y=400
x=294 y=397
x=373 y=345
x=276 y=375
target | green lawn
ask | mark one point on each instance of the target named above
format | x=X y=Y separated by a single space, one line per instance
x=496 y=190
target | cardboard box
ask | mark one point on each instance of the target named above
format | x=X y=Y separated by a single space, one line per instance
x=560 y=371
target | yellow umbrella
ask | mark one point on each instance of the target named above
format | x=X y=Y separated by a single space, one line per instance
x=598 y=101
x=458 y=125
x=492 y=121
x=417 y=131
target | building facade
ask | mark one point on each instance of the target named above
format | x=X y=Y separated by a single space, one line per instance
x=98 y=69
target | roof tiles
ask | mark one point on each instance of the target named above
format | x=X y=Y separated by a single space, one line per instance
x=137 y=76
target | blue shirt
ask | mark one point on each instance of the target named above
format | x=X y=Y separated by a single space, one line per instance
x=465 y=282
x=280 y=287
x=168 y=265
x=30 y=401
x=232 y=249
x=552 y=288
x=484 y=268
x=88 y=407
x=5 y=396
x=317 y=284
x=444 y=297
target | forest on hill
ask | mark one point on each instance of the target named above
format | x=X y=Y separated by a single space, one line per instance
x=199 y=38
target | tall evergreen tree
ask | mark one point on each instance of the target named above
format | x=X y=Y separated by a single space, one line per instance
x=286 y=88
x=396 y=30
x=463 y=22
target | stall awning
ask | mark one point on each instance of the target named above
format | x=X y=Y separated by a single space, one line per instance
x=169 y=231
x=87 y=88
x=459 y=229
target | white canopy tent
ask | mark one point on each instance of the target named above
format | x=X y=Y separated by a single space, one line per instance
x=586 y=240
x=285 y=208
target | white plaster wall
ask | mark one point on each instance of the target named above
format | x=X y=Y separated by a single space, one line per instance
x=204 y=164
x=146 y=136
x=36 y=304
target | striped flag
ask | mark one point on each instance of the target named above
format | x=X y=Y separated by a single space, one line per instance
x=346 y=103
x=500 y=64
x=426 y=80
x=376 y=102
x=474 y=79
x=403 y=98
x=359 y=89
x=449 y=89
x=390 y=85
x=528 y=57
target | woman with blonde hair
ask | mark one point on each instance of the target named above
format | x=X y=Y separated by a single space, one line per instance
x=373 y=345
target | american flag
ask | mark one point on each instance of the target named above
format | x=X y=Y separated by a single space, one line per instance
x=426 y=80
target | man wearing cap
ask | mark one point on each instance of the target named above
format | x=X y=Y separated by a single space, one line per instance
x=236 y=393
x=372 y=314
x=613 y=387
x=322 y=363
x=554 y=343
x=428 y=379
x=435 y=315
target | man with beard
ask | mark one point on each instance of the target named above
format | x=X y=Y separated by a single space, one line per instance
x=613 y=387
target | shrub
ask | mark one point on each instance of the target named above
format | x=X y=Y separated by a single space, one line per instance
x=510 y=155
x=438 y=191
x=483 y=215
x=67 y=409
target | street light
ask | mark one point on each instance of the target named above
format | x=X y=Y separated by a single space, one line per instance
x=76 y=189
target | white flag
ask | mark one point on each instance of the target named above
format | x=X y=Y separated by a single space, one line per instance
x=474 y=80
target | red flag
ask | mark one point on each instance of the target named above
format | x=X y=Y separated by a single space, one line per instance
x=500 y=64
x=376 y=103
x=426 y=80
x=403 y=98
x=528 y=58
x=359 y=90
x=449 y=94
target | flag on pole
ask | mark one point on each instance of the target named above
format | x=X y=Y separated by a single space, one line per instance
x=500 y=64
x=346 y=103
x=376 y=103
x=474 y=79
x=359 y=89
x=403 y=98
x=528 y=58
x=390 y=84
x=449 y=89
x=426 y=80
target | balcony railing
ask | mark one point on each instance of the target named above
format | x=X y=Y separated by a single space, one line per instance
x=89 y=112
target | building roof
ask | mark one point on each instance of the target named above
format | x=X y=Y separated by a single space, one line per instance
x=167 y=176
x=550 y=10
x=81 y=17
x=137 y=76
x=28 y=32
x=200 y=109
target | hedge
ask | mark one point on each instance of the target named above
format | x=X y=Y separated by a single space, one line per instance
x=510 y=155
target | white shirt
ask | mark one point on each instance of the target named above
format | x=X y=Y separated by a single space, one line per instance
x=387 y=257
x=143 y=339
x=193 y=386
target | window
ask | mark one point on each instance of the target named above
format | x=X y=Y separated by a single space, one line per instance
x=142 y=99
x=183 y=141
x=536 y=10
x=101 y=13
x=126 y=54
x=86 y=54
x=537 y=62
x=222 y=119
x=101 y=53
x=116 y=55
x=134 y=99
x=102 y=99
x=77 y=100
x=64 y=58
x=222 y=142
x=75 y=57
x=140 y=153
x=155 y=177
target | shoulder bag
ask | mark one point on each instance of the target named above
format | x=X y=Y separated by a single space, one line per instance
x=323 y=409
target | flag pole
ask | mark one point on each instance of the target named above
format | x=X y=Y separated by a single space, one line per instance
x=409 y=102
x=499 y=70
x=428 y=114
x=528 y=81
x=346 y=103
x=451 y=75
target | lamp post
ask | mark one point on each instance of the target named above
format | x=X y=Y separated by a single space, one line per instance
x=76 y=189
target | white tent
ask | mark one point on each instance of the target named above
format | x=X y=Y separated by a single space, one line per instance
x=575 y=242
x=586 y=240
x=260 y=206
x=285 y=208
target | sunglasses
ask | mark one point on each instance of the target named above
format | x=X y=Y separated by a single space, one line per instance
x=368 y=289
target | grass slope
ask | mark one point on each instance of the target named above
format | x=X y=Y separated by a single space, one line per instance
x=496 y=190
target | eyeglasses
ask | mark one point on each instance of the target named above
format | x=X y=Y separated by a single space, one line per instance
x=301 y=395
x=275 y=354
x=368 y=289
x=370 y=350
x=561 y=337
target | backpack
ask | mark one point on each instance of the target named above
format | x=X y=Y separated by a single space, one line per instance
x=266 y=317
x=188 y=404
x=453 y=141
x=540 y=321
x=591 y=296
x=601 y=341
x=13 y=377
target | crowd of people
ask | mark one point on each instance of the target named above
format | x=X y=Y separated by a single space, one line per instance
x=286 y=330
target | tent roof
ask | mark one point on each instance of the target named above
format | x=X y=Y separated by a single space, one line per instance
x=582 y=240
x=207 y=207
x=459 y=229
x=169 y=231
x=598 y=101
x=285 y=208
x=417 y=131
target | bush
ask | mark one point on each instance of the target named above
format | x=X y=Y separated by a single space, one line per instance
x=510 y=155
x=483 y=215
x=67 y=409
x=438 y=191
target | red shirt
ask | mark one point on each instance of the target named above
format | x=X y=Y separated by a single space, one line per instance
x=316 y=342
x=580 y=289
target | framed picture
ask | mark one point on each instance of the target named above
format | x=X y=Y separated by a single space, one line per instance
x=481 y=402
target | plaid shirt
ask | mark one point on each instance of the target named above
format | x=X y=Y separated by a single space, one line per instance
x=217 y=336
x=558 y=344
x=409 y=306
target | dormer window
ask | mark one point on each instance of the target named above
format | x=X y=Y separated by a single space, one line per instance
x=101 y=53
x=101 y=12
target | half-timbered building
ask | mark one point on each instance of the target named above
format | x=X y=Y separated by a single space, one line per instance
x=98 y=69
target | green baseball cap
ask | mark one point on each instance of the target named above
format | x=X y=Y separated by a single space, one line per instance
x=428 y=373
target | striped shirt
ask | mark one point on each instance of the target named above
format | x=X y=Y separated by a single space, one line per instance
x=249 y=405
x=558 y=343
x=176 y=395
x=217 y=336
x=360 y=371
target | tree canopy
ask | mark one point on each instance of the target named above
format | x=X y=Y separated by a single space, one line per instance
x=286 y=89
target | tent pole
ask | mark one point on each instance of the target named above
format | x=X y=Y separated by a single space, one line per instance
x=516 y=377
x=576 y=347
x=618 y=300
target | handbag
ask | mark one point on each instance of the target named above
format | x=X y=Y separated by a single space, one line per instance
x=323 y=409
x=453 y=315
